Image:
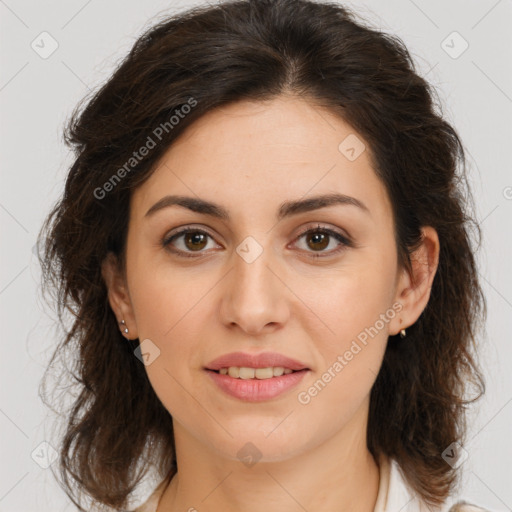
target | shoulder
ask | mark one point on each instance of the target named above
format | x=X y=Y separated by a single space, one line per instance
x=399 y=496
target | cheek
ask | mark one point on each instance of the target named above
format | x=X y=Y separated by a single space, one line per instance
x=357 y=312
x=165 y=298
x=350 y=328
x=348 y=302
x=174 y=372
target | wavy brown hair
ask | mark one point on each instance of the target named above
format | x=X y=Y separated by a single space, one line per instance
x=256 y=50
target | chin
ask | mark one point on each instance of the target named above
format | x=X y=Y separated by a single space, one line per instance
x=251 y=446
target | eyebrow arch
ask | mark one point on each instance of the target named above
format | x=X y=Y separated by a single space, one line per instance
x=286 y=209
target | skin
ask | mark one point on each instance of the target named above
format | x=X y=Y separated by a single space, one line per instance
x=249 y=158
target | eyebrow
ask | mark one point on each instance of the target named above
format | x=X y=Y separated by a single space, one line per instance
x=286 y=209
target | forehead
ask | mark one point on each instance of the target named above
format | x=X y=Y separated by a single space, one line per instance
x=258 y=154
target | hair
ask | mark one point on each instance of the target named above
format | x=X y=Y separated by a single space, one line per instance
x=257 y=50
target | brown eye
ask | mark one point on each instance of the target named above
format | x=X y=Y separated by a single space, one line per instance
x=318 y=239
x=187 y=240
x=195 y=240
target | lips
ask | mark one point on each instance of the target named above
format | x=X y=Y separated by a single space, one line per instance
x=288 y=373
x=254 y=390
x=263 y=360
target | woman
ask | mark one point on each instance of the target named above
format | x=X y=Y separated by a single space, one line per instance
x=264 y=242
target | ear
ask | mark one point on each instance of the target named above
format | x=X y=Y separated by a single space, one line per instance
x=413 y=289
x=118 y=295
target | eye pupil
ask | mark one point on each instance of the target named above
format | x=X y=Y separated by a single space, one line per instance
x=194 y=238
x=319 y=238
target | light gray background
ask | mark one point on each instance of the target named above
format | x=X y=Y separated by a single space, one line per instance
x=37 y=95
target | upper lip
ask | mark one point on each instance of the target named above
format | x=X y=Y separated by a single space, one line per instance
x=263 y=360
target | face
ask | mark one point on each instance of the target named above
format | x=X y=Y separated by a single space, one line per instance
x=320 y=286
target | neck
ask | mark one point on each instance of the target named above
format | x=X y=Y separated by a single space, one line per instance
x=340 y=474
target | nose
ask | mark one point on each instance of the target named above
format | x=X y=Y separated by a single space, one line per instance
x=254 y=296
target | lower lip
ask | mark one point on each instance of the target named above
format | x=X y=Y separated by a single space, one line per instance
x=257 y=390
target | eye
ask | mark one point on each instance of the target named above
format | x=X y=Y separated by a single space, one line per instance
x=320 y=238
x=191 y=238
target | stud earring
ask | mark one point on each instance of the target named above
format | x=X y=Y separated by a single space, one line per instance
x=402 y=333
x=125 y=330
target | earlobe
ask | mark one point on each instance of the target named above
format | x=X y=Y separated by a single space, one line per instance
x=118 y=296
x=413 y=288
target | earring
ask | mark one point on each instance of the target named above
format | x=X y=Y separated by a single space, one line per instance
x=125 y=330
x=402 y=333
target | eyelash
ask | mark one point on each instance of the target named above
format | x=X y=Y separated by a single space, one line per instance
x=344 y=241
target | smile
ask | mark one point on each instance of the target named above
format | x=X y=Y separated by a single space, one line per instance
x=259 y=373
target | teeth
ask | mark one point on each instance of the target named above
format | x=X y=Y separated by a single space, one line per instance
x=247 y=373
x=234 y=372
x=251 y=373
x=278 y=371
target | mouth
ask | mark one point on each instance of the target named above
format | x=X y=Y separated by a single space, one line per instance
x=256 y=377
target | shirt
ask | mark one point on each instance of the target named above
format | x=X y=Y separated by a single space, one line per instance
x=394 y=495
